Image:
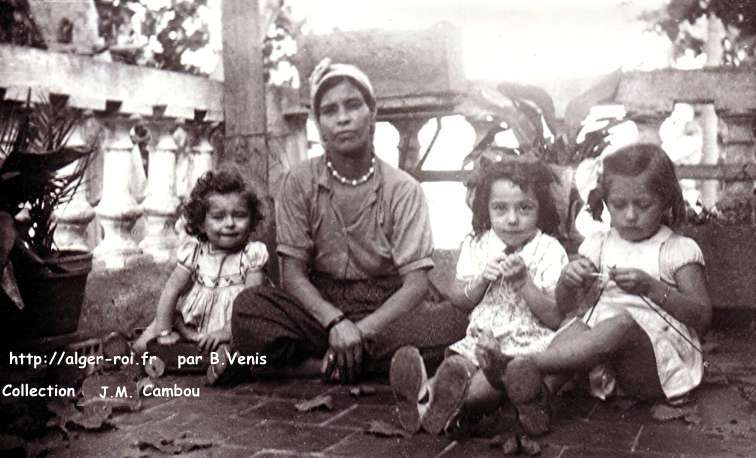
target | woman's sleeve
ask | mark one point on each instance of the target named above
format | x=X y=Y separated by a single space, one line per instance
x=678 y=251
x=255 y=257
x=293 y=235
x=186 y=253
x=411 y=240
x=468 y=264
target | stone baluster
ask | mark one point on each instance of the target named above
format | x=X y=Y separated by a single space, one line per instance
x=409 y=145
x=202 y=153
x=118 y=210
x=73 y=218
x=161 y=202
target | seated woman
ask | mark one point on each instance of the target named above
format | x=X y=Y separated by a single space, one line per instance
x=355 y=244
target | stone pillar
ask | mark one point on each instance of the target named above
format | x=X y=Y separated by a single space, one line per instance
x=202 y=153
x=118 y=210
x=244 y=102
x=161 y=202
x=73 y=218
x=409 y=145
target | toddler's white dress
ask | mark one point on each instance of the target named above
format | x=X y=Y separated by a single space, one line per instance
x=218 y=276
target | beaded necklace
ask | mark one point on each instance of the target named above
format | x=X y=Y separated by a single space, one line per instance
x=353 y=182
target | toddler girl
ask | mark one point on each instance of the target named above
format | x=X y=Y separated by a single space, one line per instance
x=639 y=292
x=216 y=263
x=506 y=275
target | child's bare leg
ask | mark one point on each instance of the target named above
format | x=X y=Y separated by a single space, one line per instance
x=482 y=398
x=581 y=348
x=149 y=333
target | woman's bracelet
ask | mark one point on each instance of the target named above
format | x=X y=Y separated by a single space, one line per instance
x=336 y=320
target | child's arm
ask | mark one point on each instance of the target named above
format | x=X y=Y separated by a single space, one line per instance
x=254 y=278
x=689 y=302
x=179 y=280
x=575 y=278
x=466 y=294
x=541 y=304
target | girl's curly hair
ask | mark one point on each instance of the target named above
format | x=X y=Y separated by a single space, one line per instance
x=224 y=181
x=528 y=175
x=633 y=160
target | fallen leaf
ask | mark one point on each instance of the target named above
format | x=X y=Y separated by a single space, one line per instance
x=94 y=416
x=116 y=389
x=529 y=447
x=362 y=390
x=664 y=412
x=183 y=443
x=383 y=429
x=318 y=402
x=507 y=442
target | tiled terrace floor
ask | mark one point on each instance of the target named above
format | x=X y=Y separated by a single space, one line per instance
x=260 y=419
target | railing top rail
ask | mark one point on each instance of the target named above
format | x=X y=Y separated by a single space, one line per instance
x=100 y=86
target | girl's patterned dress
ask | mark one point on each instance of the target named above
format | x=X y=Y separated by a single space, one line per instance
x=502 y=311
x=218 y=276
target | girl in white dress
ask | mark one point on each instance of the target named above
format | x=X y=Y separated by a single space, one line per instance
x=216 y=263
x=506 y=276
x=638 y=292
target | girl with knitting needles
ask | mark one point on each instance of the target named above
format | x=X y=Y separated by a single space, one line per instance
x=640 y=332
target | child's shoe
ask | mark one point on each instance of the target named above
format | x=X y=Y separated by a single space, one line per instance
x=530 y=396
x=447 y=394
x=408 y=378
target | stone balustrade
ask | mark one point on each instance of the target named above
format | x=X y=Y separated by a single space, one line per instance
x=152 y=133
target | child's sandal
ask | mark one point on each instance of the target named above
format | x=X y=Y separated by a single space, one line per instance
x=447 y=394
x=408 y=378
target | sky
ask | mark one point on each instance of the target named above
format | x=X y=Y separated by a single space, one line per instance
x=514 y=40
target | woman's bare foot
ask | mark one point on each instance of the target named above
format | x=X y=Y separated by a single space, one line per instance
x=491 y=360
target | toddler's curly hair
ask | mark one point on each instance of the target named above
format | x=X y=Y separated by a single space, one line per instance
x=223 y=181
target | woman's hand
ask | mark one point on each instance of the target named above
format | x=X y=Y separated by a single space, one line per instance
x=634 y=281
x=211 y=342
x=577 y=274
x=346 y=343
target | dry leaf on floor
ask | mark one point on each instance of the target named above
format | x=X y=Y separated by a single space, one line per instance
x=529 y=447
x=183 y=443
x=507 y=442
x=91 y=417
x=362 y=390
x=382 y=429
x=323 y=401
x=664 y=412
x=116 y=389
x=94 y=416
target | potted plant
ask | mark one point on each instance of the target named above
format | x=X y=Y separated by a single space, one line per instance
x=726 y=237
x=42 y=287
